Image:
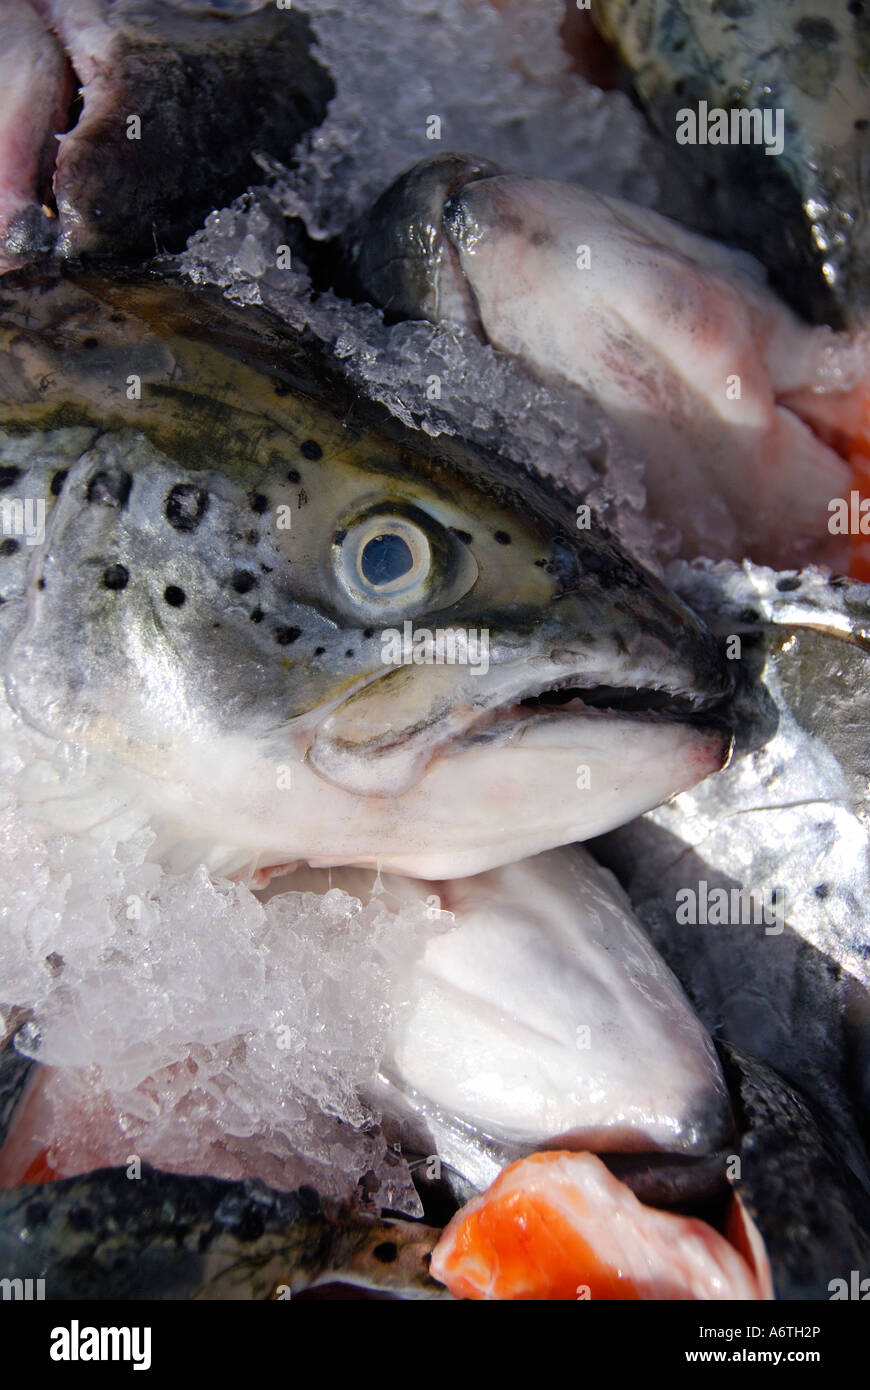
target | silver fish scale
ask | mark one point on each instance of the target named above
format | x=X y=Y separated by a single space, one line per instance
x=39 y=457
x=61 y=683
x=789 y=813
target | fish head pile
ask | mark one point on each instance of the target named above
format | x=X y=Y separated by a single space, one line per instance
x=287 y=632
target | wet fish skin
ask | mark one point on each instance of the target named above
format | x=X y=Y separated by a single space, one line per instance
x=810 y=1208
x=802 y=212
x=396 y=253
x=230 y=403
x=789 y=813
x=209 y=90
x=163 y=1236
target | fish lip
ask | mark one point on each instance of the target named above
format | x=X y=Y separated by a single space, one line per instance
x=501 y=722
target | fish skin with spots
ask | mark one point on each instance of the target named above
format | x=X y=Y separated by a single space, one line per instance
x=802 y=211
x=197 y=644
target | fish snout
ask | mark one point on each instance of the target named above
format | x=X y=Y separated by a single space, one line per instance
x=403 y=258
x=628 y=631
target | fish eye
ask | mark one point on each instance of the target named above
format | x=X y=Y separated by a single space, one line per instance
x=384 y=560
x=392 y=559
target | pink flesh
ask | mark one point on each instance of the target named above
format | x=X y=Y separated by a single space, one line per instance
x=555 y=1223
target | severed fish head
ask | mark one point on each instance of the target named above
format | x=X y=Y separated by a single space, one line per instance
x=280 y=628
x=122 y=124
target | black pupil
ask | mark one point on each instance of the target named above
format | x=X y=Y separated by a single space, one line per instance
x=385 y=559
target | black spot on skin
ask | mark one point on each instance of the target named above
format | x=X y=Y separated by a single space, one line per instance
x=256 y=615
x=821 y=890
x=174 y=596
x=386 y=1252
x=339 y=536
x=541 y=563
x=243 y=581
x=109 y=488
x=310 y=449
x=252 y=537
x=294 y=476
x=814 y=29
x=788 y=584
x=117 y=318
x=8 y=547
x=349 y=651
x=40 y=583
x=301 y=497
x=259 y=503
x=58 y=481
x=80 y=1219
x=185 y=507
x=318 y=651
x=267 y=569
x=90 y=343
x=9 y=475
x=861 y=123
x=502 y=537
x=369 y=632
x=285 y=635
x=115 y=577
x=464 y=536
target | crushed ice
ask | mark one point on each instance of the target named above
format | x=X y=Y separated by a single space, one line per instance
x=209 y=1030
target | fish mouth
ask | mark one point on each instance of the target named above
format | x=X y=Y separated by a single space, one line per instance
x=545 y=759
x=569 y=700
x=569 y=696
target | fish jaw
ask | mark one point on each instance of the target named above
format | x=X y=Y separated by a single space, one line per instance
x=431 y=770
x=543 y=1017
x=546 y=781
